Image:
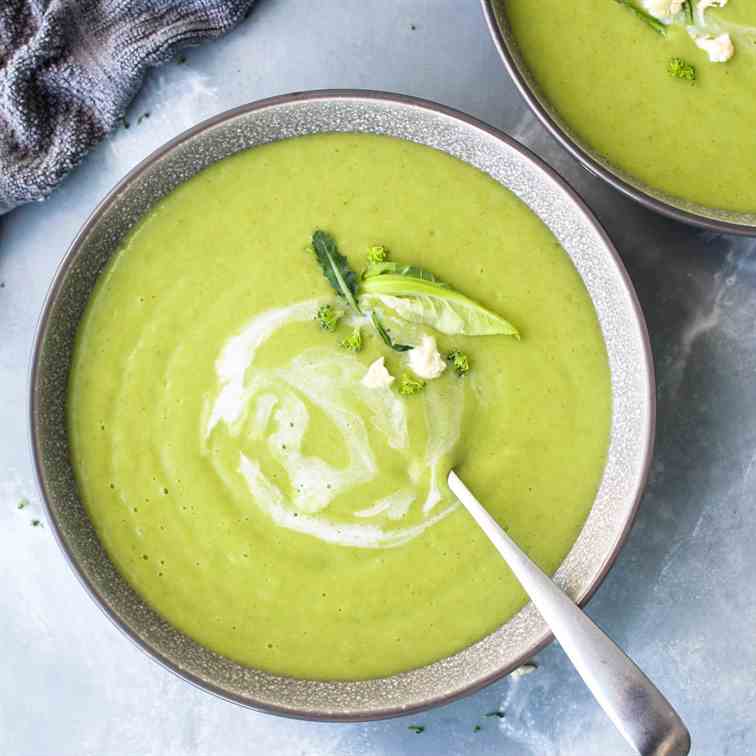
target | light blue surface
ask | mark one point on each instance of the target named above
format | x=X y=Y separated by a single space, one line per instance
x=681 y=599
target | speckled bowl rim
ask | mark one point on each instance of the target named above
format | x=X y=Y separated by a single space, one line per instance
x=713 y=219
x=639 y=375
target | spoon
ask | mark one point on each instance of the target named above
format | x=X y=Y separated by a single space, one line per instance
x=639 y=711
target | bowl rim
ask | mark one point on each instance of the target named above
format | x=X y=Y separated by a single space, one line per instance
x=584 y=156
x=70 y=257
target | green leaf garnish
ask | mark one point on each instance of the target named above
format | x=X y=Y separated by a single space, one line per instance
x=681 y=69
x=413 y=293
x=647 y=18
x=410 y=385
x=417 y=728
x=328 y=317
x=688 y=7
x=498 y=713
x=383 y=333
x=433 y=303
x=477 y=728
x=335 y=267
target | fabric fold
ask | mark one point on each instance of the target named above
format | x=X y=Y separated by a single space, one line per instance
x=69 y=70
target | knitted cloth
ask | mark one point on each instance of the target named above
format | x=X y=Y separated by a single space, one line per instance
x=70 y=68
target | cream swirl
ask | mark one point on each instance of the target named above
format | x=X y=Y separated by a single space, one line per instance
x=261 y=415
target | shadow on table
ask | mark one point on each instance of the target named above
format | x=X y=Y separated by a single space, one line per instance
x=696 y=289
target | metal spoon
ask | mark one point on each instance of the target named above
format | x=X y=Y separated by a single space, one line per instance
x=639 y=711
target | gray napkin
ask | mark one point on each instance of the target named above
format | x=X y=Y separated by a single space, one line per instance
x=70 y=68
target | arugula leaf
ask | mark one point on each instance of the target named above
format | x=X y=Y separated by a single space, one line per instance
x=435 y=304
x=383 y=333
x=647 y=18
x=335 y=267
x=414 y=293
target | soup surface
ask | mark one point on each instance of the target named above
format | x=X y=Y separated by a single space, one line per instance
x=244 y=479
x=606 y=73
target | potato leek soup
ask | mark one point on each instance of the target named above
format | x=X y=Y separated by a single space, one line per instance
x=663 y=89
x=278 y=369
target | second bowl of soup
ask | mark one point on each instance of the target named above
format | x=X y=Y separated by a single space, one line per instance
x=655 y=96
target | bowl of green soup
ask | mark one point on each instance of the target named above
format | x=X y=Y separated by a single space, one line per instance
x=263 y=354
x=653 y=96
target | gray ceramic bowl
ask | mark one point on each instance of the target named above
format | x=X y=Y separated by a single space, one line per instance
x=595 y=259
x=714 y=219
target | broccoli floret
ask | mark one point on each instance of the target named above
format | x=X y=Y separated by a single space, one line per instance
x=354 y=342
x=377 y=254
x=459 y=361
x=681 y=69
x=328 y=317
x=409 y=385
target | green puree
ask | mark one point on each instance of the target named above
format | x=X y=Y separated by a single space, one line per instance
x=605 y=72
x=159 y=431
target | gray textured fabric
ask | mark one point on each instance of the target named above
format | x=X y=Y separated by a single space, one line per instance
x=70 y=68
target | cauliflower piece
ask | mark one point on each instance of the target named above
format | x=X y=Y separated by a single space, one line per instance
x=719 y=49
x=377 y=375
x=425 y=360
x=665 y=9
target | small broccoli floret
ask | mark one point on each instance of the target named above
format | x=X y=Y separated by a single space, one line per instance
x=681 y=69
x=354 y=342
x=409 y=385
x=328 y=317
x=459 y=361
x=377 y=254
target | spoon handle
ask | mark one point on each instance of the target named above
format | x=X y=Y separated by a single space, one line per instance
x=639 y=711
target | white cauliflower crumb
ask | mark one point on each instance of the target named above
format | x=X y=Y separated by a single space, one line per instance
x=719 y=49
x=663 y=9
x=425 y=361
x=377 y=375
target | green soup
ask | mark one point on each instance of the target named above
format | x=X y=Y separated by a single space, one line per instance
x=605 y=73
x=253 y=490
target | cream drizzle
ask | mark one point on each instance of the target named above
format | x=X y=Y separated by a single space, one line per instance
x=273 y=408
